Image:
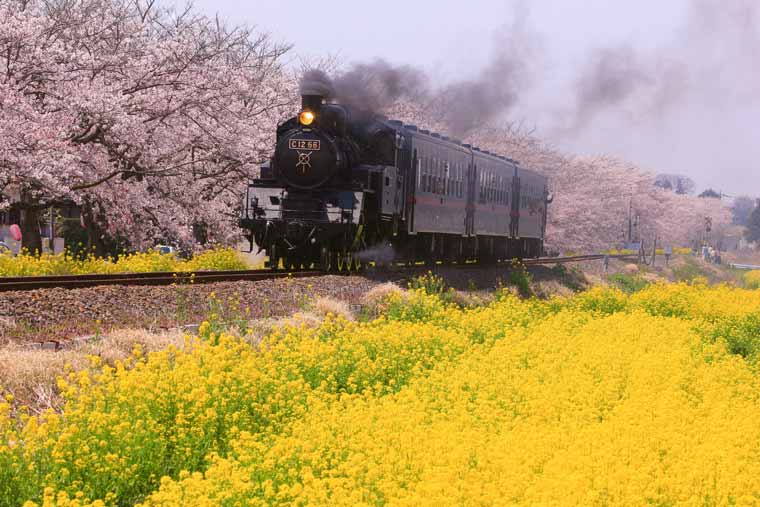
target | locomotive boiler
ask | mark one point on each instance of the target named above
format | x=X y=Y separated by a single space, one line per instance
x=345 y=187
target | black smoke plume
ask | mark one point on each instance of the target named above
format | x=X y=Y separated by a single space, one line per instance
x=717 y=39
x=611 y=76
x=463 y=105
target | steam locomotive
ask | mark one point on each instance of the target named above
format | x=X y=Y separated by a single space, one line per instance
x=345 y=187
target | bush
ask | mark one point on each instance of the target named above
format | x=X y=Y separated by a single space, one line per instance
x=628 y=283
x=752 y=279
x=65 y=263
x=741 y=334
x=688 y=271
x=521 y=278
x=430 y=283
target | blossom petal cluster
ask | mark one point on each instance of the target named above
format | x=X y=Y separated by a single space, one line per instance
x=151 y=120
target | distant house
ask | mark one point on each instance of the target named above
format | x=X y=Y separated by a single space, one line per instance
x=47 y=225
x=8 y=218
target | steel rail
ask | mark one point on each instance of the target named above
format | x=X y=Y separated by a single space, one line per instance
x=26 y=283
x=159 y=278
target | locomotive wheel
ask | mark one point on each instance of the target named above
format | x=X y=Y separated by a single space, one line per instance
x=341 y=261
x=274 y=258
x=326 y=259
x=291 y=262
x=348 y=261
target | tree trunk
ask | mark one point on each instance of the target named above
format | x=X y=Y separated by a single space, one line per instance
x=95 y=243
x=30 y=229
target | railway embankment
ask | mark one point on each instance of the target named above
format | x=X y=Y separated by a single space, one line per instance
x=50 y=317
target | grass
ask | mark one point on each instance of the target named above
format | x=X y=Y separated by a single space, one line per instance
x=29 y=374
x=628 y=283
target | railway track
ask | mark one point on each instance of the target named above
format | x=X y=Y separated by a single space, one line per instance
x=25 y=283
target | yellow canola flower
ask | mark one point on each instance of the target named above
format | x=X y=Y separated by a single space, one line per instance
x=603 y=398
x=65 y=263
x=752 y=279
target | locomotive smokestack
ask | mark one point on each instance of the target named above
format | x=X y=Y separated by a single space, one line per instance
x=315 y=87
x=311 y=102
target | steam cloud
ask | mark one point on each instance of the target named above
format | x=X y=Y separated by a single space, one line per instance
x=661 y=108
x=381 y=253
x=686 y=106
x=719 y=38
x=462 y=105
x=611 y=77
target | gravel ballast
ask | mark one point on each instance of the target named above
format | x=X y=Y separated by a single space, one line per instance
x=61 y=314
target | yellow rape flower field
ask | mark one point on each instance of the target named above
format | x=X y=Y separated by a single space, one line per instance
x=599 y=399
x=141 y=262
x=752 y=279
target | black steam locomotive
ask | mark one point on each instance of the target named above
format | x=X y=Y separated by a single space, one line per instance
x=345 y=187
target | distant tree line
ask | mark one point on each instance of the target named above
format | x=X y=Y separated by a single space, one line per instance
x=678 y=183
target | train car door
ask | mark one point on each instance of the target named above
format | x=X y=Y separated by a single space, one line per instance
x=403 y=163
x=514 y=223
x=472 y=179
x=412 y=184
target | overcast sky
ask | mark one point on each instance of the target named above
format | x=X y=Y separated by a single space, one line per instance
x=683 y=96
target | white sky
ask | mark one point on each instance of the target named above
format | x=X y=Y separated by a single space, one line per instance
x=717 y=146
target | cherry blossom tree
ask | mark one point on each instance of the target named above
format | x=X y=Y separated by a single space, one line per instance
x=151 y=120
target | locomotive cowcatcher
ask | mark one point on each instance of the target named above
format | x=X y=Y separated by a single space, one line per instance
x=346 y=187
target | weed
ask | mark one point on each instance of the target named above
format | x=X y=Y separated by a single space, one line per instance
x=430 y=283
x=687 y=271
x=628 y=283
x=520 y=278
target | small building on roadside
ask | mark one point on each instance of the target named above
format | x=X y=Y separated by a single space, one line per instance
x=49 y=222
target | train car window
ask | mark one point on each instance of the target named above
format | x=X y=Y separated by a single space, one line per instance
x=456 y=180
x=438 y=183
x=445 y=178
x=435 y=176
x=453 y=182
x=431 y=176
x=448 y=180
x=423 y=174
x=426 y=178
x=419 y=173
x=459 y=180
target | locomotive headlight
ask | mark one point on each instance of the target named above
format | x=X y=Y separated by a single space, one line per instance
x=306 y=118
